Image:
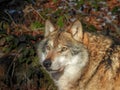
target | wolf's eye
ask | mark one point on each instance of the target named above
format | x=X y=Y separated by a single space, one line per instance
x=63 y=49
x=47 y=47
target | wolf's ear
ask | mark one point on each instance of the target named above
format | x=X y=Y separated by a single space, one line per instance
x=77 y=31
x=48 y=28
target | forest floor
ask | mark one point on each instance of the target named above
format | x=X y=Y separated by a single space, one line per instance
x=22 y=27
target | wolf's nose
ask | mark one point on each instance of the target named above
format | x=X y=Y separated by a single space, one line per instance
x=47 y=63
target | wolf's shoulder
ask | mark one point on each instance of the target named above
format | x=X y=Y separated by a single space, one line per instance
x=104 y=63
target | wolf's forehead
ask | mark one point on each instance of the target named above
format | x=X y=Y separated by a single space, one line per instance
x=58 y=39
x=55 y=45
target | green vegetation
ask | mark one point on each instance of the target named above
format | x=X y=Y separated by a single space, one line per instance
x=22 y=27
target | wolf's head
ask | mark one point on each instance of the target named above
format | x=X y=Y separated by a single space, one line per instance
x=61 y=48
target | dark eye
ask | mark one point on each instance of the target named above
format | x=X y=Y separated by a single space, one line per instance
x=63 y=49
x=47 y=47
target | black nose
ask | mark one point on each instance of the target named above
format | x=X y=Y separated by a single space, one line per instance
x=47 y=63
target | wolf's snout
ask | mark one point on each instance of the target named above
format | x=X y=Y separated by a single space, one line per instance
x=47 y=63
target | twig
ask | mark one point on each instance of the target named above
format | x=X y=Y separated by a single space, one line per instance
x=38 y=13
x=30 y=8
x=13 y=64
x=10 y=17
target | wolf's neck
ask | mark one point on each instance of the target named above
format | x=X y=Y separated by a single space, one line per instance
x=56 y=75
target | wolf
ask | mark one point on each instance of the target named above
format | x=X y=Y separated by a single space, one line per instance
x=79 y=60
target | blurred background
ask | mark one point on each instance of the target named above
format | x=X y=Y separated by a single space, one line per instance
x=22 y=27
